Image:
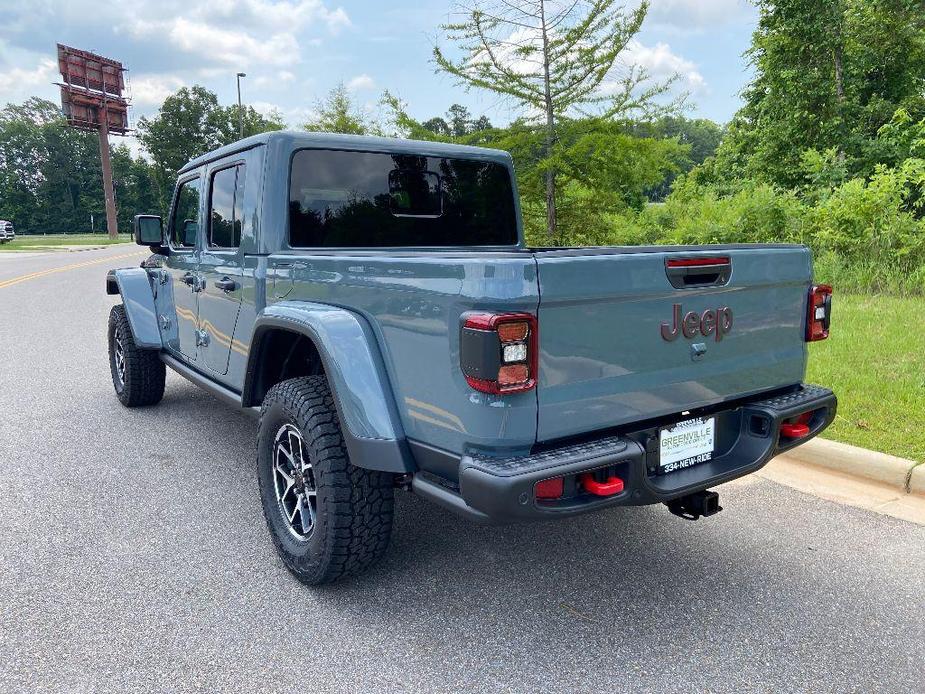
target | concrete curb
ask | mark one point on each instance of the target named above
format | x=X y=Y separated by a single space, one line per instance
x=917 y=480
x=65 y=249
x=899 y=473
x=81 y=249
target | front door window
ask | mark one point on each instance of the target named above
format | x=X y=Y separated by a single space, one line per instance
x=185 y=225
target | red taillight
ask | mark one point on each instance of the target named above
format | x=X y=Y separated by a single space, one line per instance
x=818 y=312
x=549 y=489
x=697 y=262
x=498 y=352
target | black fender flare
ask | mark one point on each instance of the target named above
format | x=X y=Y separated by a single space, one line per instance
x=134 y=285
x=356 y=374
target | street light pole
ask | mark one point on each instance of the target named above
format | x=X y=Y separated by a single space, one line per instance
x=240 y=108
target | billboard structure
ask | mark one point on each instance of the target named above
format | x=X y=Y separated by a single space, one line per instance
x=92 y=98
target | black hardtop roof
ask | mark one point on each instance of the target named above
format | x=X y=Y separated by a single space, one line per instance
x=294 y=140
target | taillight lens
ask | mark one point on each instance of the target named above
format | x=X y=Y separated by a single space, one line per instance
x=818 y=312
x=498 y=352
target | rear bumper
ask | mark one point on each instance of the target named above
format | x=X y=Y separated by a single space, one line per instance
x=501 y=489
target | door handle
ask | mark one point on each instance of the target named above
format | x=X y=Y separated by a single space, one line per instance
x=226 y=284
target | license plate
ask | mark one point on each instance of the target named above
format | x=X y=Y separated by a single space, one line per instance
x=686 y=443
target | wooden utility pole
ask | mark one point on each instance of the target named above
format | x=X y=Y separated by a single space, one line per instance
x=112 y=225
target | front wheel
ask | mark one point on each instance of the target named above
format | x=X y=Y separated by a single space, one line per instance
x=137 y=374
x=328 y=518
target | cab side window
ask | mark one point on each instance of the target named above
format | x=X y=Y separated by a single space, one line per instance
x=225 y=207
x=185 y=223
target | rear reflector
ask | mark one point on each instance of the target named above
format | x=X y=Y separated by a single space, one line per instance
x=818 y=312
x=549 y=489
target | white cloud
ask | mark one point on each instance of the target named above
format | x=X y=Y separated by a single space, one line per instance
x=271 y=16
x=178 y=34
x=688 y=16
x=277 y=79
x=361 y=82
x=28 y=81
x=661 y=63
x=228 y=46
x=151 y=90
x=293 y=117
x=134 y=147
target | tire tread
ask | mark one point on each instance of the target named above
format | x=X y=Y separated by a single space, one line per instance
x=145 y=373
x=359 y=516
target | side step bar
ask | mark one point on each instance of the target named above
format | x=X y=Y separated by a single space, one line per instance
x=226 y=395
x=440 y=495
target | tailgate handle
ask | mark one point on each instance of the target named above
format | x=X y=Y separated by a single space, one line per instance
x=698 y=271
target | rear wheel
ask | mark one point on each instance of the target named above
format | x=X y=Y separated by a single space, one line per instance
x=137 y=374
x=328 y=518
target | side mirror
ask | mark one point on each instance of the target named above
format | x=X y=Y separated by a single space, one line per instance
x=149 y=230
x=190 y=232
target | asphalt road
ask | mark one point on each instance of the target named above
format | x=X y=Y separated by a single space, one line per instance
x=134 y=557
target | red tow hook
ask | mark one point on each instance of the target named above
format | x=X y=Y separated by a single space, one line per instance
x=797 y=429
x=613 y=485
x=794 y=431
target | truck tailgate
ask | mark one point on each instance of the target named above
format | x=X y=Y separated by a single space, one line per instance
x=604 y=361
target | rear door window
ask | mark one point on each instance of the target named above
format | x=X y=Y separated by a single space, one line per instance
x=368 y=199
x=225 y=207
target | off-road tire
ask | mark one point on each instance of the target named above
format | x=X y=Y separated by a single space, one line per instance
x=353 y=519
x=142 y=382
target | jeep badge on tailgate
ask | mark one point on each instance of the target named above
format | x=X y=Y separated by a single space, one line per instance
x=711 y=322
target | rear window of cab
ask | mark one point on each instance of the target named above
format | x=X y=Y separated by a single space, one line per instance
x=368 y=199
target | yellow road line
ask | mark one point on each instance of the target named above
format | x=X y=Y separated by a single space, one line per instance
x=42 y=273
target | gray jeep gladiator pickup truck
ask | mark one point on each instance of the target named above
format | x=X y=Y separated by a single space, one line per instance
x=373 y=303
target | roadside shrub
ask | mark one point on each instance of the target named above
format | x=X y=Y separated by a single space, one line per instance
x=866 y=235
x=759 y=214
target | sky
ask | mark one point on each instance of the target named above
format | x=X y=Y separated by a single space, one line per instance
x=295 y=51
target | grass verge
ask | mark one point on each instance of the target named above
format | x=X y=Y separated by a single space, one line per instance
x=874 y=360
x=36 y=242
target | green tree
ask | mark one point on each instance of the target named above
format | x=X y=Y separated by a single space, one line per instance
x=438 y=126
x=338 y=113
x=558 y=62
x=189 y=123
x=50 y=177
x=254 y=122
x=136 y=192
x=703 y=137
x=458 y=123
x=459 y=120
x=603 y=169
x=480 y=123
x=828 y=75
